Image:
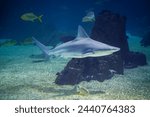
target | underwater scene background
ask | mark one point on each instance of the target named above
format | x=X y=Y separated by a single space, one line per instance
x=25 y=73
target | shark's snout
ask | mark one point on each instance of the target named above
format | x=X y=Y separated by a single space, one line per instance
x=117 y=49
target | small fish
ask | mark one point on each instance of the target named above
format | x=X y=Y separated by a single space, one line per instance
x=31 y=17
x=90 y=17
x=7 y=42
x=81 y=91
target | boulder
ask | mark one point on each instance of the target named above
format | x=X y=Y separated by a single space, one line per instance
x=135 y=59
x=87 y=69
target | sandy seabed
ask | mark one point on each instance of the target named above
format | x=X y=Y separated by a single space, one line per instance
x=21 y=78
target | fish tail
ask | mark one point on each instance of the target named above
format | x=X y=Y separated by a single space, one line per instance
x=42 y=47
x=40 y=18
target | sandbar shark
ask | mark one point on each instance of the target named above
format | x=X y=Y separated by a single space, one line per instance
x=82 y=46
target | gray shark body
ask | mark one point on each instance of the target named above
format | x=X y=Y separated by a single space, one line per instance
x=82 y=46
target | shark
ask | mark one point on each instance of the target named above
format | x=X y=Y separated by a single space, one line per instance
x=81 y=47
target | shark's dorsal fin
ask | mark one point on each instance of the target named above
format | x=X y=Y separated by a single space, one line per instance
x=81 y=33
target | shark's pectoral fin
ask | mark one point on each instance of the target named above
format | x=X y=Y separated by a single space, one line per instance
x=88 y=51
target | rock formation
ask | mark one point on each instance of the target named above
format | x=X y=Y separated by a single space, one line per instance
x=109 y=28
x=146 y=40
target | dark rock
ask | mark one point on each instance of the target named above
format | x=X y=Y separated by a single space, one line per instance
x=87 y=69
x=115 y=62
x=135 y=59
x=109 y=28
x=130 y=65
x=146 y=40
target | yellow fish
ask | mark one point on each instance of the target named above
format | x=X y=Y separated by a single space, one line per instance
x=90 y=17
x=31 y=17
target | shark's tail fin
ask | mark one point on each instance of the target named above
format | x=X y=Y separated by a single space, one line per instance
x=42 y=47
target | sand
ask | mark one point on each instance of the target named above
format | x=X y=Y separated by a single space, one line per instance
x=21 y=78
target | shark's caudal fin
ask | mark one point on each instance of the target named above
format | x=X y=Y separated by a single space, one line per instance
x=42 y=47
x=81 y=33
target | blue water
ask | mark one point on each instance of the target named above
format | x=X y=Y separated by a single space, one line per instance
x=66 y=15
